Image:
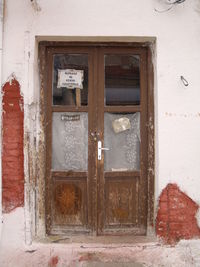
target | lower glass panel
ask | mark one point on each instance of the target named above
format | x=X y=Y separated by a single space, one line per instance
x=122 y=137
x=70 y=141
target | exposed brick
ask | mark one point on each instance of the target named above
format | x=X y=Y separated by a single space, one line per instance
x=14 y=152
x=12 y=147
x=163 y=207
x=12 y=132
x=8 y=184
x=13 y=172
x=14 y=117
x=14 y=160
x=176 y=226
x=176 y=215
x=8 y=187
x=174 y=192
x=176 y=212
x=179 y=218
x=162 y=217
x=12 y=196
x=13 y=120
x=164 y=196
x=9 y=146
x=10 y=139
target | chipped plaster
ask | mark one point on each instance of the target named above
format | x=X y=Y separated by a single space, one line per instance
x=198 y=217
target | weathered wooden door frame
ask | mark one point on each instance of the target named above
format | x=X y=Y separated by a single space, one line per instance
x=44 y=50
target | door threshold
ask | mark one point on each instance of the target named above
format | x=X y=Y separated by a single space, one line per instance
x=105 y=240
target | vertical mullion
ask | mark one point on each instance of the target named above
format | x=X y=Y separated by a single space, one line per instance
x=92 y=147
x=100 y=104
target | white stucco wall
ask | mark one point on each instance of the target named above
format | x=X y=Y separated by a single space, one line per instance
x=177 y=108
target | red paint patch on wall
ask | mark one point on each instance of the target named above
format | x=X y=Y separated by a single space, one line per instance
x=86 y=257
x=53 y=261
x=176 y=215
x=12 y=147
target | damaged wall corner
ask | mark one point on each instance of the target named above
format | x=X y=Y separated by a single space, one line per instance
x=12 y=146
x=176 y=217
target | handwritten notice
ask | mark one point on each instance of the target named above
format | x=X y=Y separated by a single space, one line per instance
x=70 y=79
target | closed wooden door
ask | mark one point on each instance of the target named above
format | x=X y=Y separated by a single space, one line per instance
x=96 y=140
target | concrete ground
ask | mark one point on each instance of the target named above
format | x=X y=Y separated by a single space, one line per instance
x=184 y=254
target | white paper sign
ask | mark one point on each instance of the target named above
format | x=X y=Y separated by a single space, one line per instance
x=70 y=78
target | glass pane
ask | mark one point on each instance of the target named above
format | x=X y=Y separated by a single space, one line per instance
x=122 y=80
x=122 y=137
x=70 y=79
x=70 y=141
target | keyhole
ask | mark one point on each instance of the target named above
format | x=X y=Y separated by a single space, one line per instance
x=94 y=135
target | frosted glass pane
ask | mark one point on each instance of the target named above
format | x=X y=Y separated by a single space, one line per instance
x=122 y=137
x=70 y=141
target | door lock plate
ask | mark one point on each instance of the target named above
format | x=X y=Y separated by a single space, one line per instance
x=100 y=148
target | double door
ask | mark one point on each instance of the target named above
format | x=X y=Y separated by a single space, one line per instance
x=96 y=157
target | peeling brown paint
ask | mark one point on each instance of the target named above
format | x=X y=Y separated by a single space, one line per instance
x=151 y=138
x=120 y=214
x=35 y=6
x=30 y=151
x=41 y=155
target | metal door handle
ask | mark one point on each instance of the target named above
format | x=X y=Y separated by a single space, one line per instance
x=100 y=148
x=105 y=148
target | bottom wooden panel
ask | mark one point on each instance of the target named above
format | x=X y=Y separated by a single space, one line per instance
x=69 y=204
x=121 y=202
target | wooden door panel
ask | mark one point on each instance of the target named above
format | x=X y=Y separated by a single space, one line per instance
x=69 y=204
x=121 y=198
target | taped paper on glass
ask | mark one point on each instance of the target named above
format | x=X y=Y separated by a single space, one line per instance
x=70 y=117
x=70 y=79
x=121 y=124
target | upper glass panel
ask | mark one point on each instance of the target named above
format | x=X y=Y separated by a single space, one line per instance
x=122 y=80
x=70 y=79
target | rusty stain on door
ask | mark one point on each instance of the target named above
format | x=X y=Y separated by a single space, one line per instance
x=68 y=199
